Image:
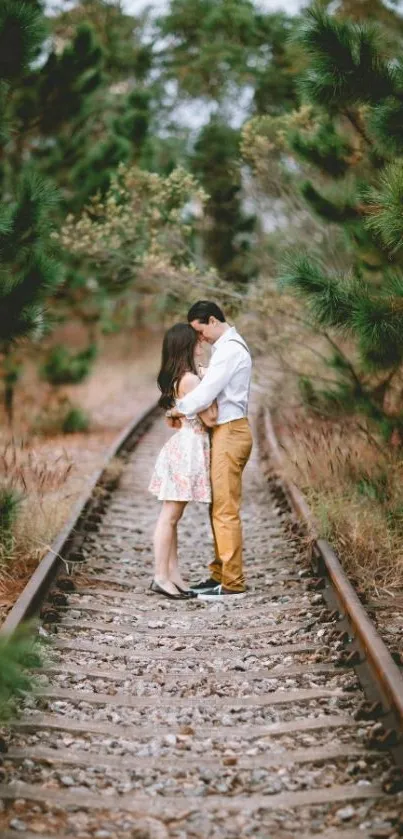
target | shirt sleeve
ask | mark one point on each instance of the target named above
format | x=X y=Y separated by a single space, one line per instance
x=214 y=381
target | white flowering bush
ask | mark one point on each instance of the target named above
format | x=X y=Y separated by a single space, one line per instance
x=142 y=225
x=138 y=239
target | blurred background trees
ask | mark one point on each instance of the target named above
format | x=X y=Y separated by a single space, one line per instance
x=214 y=148
x=291 y=125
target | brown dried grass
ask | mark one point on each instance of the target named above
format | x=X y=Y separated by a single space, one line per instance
x=43 y=485
x=354 y=487
x=52 y=473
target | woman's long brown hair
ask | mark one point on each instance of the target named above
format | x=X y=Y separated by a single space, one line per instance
x=177 y=359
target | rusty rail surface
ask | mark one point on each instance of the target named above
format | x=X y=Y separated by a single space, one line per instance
x=379 y=660
x=33 y=594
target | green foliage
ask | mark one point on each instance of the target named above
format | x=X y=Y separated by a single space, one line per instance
x=212 y=46
x=140 y=230
x=379 y=328
x=307 y=392
x=346 y=65
x=66 y=80
x=211 y=42
x=94 y=172
x=325 y=148
x=228 y=237
x=64 y=367
x=276 y=81
x=61 y=417
x=10 y=502
x=347 y=130
x=385 y=201
x=22 y=30
x=337 y=211
x=120 y=36
x=75 y=421
x=330 y=298
x=28 y=270
x=385 y=124
x=374 y=486
x=17 y=653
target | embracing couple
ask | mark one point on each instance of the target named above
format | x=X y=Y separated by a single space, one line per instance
x=205 y=459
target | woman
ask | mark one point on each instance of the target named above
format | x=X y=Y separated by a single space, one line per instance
x=182 y=470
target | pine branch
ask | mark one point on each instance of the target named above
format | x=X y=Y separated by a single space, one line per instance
x=385 y=122
x=330 y=299
x=324 y=148
x=355 y=121
x=337 y=213
x=346 y=66
x=387 y=201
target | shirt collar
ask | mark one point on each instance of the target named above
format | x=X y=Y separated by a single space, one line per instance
x=229 y=333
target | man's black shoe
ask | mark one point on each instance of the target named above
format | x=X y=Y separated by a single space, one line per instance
x=210 y=583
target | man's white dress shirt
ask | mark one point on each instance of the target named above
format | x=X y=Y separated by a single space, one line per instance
x=227 y=379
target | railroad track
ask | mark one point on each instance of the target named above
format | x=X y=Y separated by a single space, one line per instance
x=157 y=719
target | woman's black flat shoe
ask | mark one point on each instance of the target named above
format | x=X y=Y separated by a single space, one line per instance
x=186 y=592
x=159 y=590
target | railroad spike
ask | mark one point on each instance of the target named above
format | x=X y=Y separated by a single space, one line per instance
x=76 y=556
x=340 y=635
x=392 y=782
x=316 y=584
x=57 y=598
x=65 y=583
x=381 y=738
x=49 y=615
x=399 y=826
x=348 y=659
x=369 y=711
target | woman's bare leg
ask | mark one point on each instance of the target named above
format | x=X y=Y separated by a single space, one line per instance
x=175 y=575
x=165 y=536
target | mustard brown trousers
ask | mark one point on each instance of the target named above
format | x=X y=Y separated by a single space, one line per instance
x=231 y=445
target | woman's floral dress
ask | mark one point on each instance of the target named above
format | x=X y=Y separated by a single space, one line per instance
x=182 y=470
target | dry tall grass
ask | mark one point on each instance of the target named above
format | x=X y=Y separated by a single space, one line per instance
x=354 y=487
x=51 y=473
x=44 y=491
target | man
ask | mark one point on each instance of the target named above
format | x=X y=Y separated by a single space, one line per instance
x=227 y=380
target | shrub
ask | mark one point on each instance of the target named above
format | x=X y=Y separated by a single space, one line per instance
x=75 y=420
x=63 y=367
x=10 y=500
x=17 y=653
x=62 y=417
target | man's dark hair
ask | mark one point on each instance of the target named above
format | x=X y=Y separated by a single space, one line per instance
x=203 y=310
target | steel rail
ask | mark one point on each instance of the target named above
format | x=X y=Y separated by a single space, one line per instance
x=378 y=657
x=32 y=596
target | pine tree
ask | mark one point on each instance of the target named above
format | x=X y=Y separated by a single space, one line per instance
x=213 y=48
x=29 y=271
x=355 y=89
x=229 y=229
x=126 y=52
x=97 y=73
